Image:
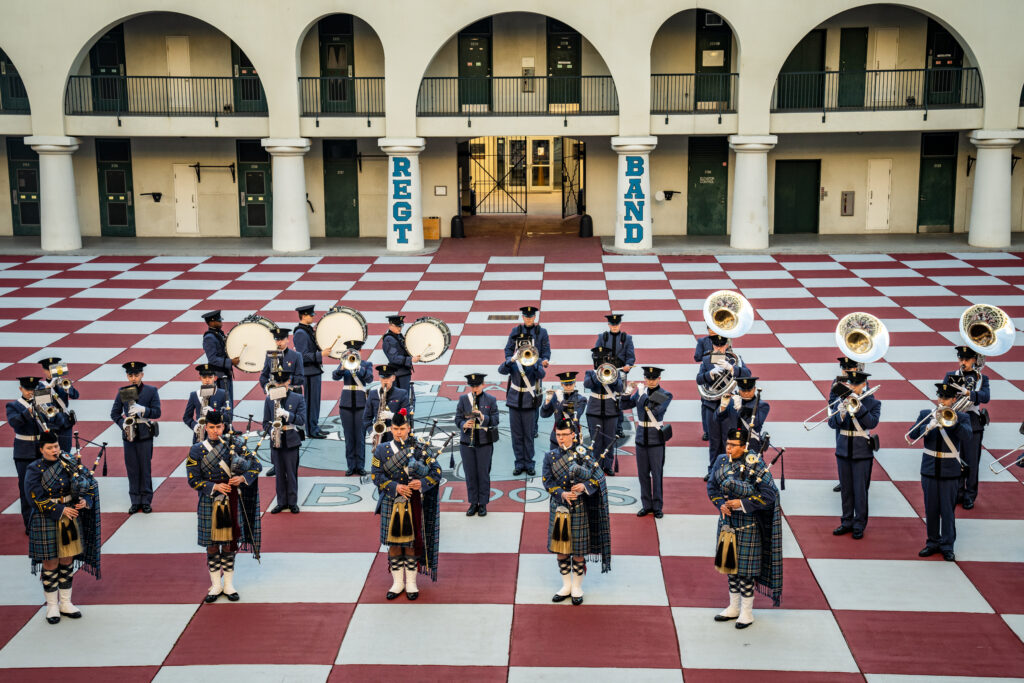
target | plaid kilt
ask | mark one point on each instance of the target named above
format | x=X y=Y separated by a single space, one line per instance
x=42 y=531
x=748 y=542
x=248 y=501
x=42 y=538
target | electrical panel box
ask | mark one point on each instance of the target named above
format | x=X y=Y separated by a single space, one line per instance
x=846 y=203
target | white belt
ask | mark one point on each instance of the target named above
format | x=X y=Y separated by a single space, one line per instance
x=600 y=397
x=352 y=387
x=940 y=454
x=848 y=432
x=650 y=425
x=26 y=437
x=65 y=499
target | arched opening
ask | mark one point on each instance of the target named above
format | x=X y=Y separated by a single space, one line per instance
x=166 y=64
x=341 y=68
x=878 y=57
x=13 y=96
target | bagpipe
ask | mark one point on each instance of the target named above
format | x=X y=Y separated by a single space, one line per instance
x=581 y=468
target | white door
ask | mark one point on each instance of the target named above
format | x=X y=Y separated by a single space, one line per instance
x=879 y=189
x=541 y=153
x=179 y=89
x=186 y=200
x=889 y=90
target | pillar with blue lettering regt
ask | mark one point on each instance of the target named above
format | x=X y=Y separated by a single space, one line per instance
x=633 y=193
x=405 y=211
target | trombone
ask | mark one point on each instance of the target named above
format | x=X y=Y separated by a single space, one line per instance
x=850 y=403
x=945 y=416
x=1015 y=461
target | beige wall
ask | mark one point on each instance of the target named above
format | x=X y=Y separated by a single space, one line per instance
x=6 y=219
x=145 y=46
x=367 y=50
x=674 y=48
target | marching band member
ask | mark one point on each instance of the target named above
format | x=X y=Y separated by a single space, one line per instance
x=603 y=411
x=623 y=354
x=855 y=454
x=21 y=415
x=846 y=367
x=215 y=346
x=195 y=410
x=566 y=403
x=522 y=396
x=703 y=348
x=742 y=489
x=399 y=358
x=224 y=474
x=287 y=360
x=578 y=525
x=386 y=402
x=729 y=417
x=538 y=337
x=476 y=416
x=65 y=420
x=941 y=464
x=304 y=339
x=351 y=406
x=281 y=419
x=137 y=435
x=407 y=476
x=64 y=531
x=975 y=387
x=727 y=363
x=651 y=402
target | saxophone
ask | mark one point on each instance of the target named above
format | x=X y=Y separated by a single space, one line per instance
x=205 y=393
x=129 y=395
x=277 y=394
x=379 y=427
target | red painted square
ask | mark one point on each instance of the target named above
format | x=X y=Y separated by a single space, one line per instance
x=693 y=582
x=644 y=637
x=687 y=495
x=484 y=578
x=107 y=674
x=996 y=500
x=286 y=635
x=14 y=617
x=1001 y=584
x=886 y=538
x=149 y=579
x=369 y=673
x=766 y=676
x=322 y=532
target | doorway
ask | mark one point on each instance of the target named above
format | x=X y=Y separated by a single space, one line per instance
x=853 y=60
x=713 y=60
x=106 y=65
x=337 y=63
x=23 y=171
x=937 y=184
x=564 y=56
x=341 y=189
x=254 y=190
x=117 y=206
x=13 y=96
x=708 y=185
x=475 y=67
x=248 y=91
x=186 y=200
x=945 y=59
x=797 y=196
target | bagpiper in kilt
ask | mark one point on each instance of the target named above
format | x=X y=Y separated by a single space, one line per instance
x=578 y=526
x=224 y=474
x=749 y=528
x=407 y=475
x=64 y=529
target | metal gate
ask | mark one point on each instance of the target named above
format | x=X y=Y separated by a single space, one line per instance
x=573 y=195
x=497 y=171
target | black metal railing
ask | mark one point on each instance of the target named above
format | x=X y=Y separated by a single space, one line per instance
x=517 y=96
x=13 y=96
x=342 y=96
x=886 y=90
x=165 y=96
x=693 y=93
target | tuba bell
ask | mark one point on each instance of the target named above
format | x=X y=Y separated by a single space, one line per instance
x=607 y=373
x=987 y=330
x=728 y=313
x=862 y=337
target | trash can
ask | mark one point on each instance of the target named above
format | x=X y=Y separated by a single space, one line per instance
x=431 y=227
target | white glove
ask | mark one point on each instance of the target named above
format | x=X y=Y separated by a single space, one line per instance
x=716 y=371
x=207 y=409
x=726 y=400
x=281 y=413
x=136 y=410
x=387 y=414
x=933 y=423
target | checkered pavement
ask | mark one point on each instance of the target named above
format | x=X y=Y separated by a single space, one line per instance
x=315 y=609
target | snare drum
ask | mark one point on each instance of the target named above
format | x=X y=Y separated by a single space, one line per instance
x=428 y=338
x=340 y=324
x=249 y=341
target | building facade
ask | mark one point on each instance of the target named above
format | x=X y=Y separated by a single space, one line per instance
x=353 y=119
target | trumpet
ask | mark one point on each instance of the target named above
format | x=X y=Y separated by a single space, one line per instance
x=66 y=383
x=945 y=416
x=526 y=355
x=607 y=373
x=351 y=361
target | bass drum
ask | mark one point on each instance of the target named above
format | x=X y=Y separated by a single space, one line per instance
x=250 y=340
x=428 y=338
x=340 y=324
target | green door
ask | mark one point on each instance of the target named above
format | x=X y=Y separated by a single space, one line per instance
x=937 y=191
x=564 y=63
x=714 y=43
x=23 y=170
x=255 y=197
x=337 y=63
x=341 y=188
x=248 y=91
x=853 y=60
x=708 y=174
x=801 y=82
x=475 y=67
x=117 y=208
x=106 y=64
x=12 y=91
x=797 y=199
x=945 y=59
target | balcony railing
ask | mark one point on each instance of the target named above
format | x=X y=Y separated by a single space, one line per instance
x=342 y=96
x=693 y=93
x=517 y=96
x=13 y=97
x=165 y=96
x=889 y=90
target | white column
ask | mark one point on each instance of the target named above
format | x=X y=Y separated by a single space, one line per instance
x=291 y=222
x=749 y=223
x=633 y=230
x=405 y=203
x=990 y=199
x=58 y=200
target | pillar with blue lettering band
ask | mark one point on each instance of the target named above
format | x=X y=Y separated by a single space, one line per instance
x=405 y=210
x=633 y=193
x=288 y=181
x=749 y=223
x=991 y=195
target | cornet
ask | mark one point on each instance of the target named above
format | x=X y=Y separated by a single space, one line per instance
x=351 y=361
x=607 y=373
x=945 y=416
x=526 y=354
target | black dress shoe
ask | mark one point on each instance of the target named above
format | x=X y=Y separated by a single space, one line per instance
x=531 y=472
x=412 y=596
x=319 y=435
x=294 y=509
x=559 y=598
x=858 y=534
x=707 y=476
x=482 y=511
x=349 y=473
x=620 y=434
x=52 y=620
x=146 y=509
x=277 y=508
x=658 y=514
x=271 y=472
x=643 y=513
x=704 y=436
x=837 y=488
x=742 y=625
x=927 y=552
x=212 y=598
x=133 y=509
x=517 y=471
x=721 y=617
x=948 y=556
x=472 y=510
x=968 y=505
x=609 y=473
x=233 y=597
x=361 y=472
x=840 y=530
x=577 y=601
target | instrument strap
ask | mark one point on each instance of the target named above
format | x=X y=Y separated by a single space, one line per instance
x=650 y=416
x=25 y=403
x=60 y=404
x=949 y=444
x=529 y=387
x=857 y=428
x=359 y=382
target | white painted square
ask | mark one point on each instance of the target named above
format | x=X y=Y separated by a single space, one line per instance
x=636 y=580
x=775 y=293
x=232 y=295
x=514 y=260
x=696 y=535
x=270 y=276
x=854 y=258
x=392 y=276
x=639 y=258
x=985 y=540
x=812 y=265
x=29 y=339
x=717 y=283
x=921 y=291
x=762 y=275
x=103 y=266
x=250 y=673
x=303 y=577
x=745 y=258
x=806 y=340
x=675 y=267
x=573 y=267
x=438 y=306
x=553 y=305
x=641 y=295
x=635 y=275
x=509 y=295
x=497 y=533
x=89 y=356
x=789 y=314
x=235 y=267
x=812 y=497
x=35 y=302
x=55 y=282
x=340 y=268
x=116 y=373
x=19 y=586
x=157 y=533
x=146 y=275
x=537 y=674
x=163 y=304
x=447 y=285
x=861 y=303
x=510 y=275
x=84 y=314
x=114 y=327
x=832 y=282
